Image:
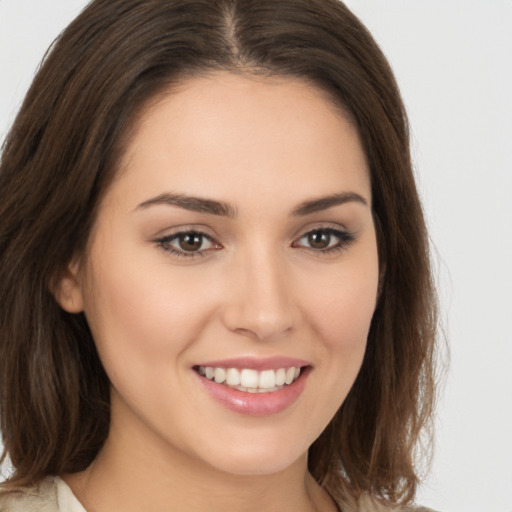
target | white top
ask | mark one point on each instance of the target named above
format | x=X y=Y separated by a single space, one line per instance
x=66 y=500
x=52 y=494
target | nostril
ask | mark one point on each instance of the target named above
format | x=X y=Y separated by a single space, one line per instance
x=258 y=311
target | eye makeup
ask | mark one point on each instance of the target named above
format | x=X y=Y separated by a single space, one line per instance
x=191 y=243
x=325 y=240
x=188 y=244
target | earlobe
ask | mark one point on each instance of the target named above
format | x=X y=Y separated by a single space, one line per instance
x=67 y=289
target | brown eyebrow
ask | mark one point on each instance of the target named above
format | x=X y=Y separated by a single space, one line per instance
x=323 y=203
x=195 y=204
x=220 y=208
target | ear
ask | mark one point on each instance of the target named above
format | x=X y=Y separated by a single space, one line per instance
x=67 y=289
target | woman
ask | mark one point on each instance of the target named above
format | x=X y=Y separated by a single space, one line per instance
x=215 y=280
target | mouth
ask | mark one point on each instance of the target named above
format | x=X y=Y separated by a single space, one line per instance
x=250 y=380
x=254 y=386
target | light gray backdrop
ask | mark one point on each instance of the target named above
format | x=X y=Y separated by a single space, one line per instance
x=453 y=61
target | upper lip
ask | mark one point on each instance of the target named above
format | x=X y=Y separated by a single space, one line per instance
x=257 y=363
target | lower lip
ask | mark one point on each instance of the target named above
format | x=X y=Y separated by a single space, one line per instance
x=256 y=404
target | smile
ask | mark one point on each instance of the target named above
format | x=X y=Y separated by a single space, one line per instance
x=250 y=380
x=254 y=386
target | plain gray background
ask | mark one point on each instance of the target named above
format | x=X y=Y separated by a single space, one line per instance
x=453 y=61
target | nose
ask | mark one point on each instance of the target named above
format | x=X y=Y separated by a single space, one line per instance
x=260 y=300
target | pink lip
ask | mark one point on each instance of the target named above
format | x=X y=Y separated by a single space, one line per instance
x=255 y=404
x=259 y=364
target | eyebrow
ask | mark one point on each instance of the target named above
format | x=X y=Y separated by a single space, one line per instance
x=194 y=204
x=324 y=203
x=220 y=208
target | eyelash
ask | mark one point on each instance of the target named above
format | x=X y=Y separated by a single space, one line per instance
x=165 y=244
x=345 y=238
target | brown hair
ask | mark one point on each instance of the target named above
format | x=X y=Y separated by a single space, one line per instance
x=61 y=154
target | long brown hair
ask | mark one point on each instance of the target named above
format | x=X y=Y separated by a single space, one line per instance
x=61 y=155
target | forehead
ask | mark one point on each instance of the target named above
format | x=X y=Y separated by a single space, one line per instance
x=262 y=134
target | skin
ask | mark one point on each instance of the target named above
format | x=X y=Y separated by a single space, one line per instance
x=255 y=288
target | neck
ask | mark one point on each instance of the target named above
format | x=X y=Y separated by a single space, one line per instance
x=128 y=477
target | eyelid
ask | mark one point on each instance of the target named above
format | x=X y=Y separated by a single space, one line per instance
x=184 y=228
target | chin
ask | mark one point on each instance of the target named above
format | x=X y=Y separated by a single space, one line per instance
x=255 y=459
x=257 y=465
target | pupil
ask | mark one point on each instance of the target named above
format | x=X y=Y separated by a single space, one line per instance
x=191 y=241
x=319 y=239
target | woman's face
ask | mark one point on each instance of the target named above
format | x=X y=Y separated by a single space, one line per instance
x=237 y=242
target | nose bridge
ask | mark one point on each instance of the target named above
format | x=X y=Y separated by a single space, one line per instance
x=260 y=303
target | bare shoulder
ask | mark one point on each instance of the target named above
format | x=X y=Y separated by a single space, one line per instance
x=39 y=498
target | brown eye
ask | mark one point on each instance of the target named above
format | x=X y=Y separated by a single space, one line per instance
x=325 y=240
x=319 y=239
x=190 y=242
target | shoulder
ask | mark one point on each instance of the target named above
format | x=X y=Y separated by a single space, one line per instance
x=39 y=498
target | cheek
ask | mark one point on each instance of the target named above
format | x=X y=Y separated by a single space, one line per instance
x=139 y=312
x=352 y=312
x=340 y=309
x=343 y=326
x=343 y=307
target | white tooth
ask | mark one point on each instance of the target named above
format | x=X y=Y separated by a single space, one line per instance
x=209 y=372
x=267 y=390
x=297 y=373
x=280 y=377
x=232 y=377
x=267 y=379
x=290 y=374
x=220 y=375
x=249 y=378
x=252 y=390
x=201 y=370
